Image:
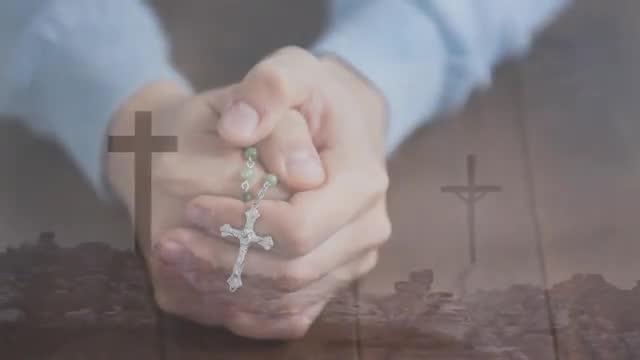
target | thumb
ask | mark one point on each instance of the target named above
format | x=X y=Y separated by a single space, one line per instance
x=281 y=82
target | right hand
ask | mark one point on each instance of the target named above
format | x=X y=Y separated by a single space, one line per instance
x=331 y=234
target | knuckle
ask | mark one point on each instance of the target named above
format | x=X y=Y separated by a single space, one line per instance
x=167 y=174
x=234 y=322
x=294 y=327
x=271 y=78
x=381 y=182
x=294 y=234
x=293 y=277
x=165 y=302
x=287 y=307
x=301 y=55
x=385 y=229
x=370 y=263
x=375 y=181
x=199 y=201
x=178 y=234
x=293 y=50
x=297 y=327
x=300 y=238
x=201 y=209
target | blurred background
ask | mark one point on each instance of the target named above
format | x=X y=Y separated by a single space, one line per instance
x=558 y=131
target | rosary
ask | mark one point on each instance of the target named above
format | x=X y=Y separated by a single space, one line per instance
x=247 y=236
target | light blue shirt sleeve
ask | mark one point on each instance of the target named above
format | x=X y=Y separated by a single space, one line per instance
x=426 y=56
x=67 y=65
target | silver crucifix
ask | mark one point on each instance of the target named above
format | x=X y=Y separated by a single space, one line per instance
x=247 y=237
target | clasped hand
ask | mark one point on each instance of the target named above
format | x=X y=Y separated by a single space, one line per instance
x=320 y=128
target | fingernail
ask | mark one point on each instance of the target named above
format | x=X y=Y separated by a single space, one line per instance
x=176 y=255
x=198 y=216
x=199 y=281
x=305 y=166
x=240 y=120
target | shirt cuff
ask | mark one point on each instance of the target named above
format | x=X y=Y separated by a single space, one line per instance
x=77 y=64
x=400 y=51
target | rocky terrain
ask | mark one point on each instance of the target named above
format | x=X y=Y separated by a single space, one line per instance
x=60 y=301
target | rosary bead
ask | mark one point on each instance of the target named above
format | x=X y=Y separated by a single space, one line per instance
x=250 y=153
x=246 y=173
x=271 y=179
x=246 y=197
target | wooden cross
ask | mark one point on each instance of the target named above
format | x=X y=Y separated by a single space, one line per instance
x=471 y=194
x=143 y=144
x=247 y=237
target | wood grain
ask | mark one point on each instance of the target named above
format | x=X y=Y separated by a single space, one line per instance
x=557 y=130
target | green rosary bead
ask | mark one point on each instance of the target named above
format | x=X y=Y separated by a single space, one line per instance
x=247 y=196
x=246 y=173
x=271 y=179
x=251 y=153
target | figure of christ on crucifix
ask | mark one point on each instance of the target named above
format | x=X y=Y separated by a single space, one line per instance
x=142 y=144
x=470 y=194
x=247 y=237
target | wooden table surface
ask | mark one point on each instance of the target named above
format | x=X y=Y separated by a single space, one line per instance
x=557 y=131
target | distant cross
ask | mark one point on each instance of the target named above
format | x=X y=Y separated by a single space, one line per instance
x=471 y=194
x=47 y=239
x=143 y=144
x=47 y=236
x=247 y=237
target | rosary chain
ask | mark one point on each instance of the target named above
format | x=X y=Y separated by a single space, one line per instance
x=245 y=186
x=250 y=155
x=262 y=193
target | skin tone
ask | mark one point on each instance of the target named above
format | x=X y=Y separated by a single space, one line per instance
x=320 y=128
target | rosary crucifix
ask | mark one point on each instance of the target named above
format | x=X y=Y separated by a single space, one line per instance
x=247 y=235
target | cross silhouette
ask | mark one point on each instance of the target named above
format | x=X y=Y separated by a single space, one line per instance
x=471 y=194
x=142 y=144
